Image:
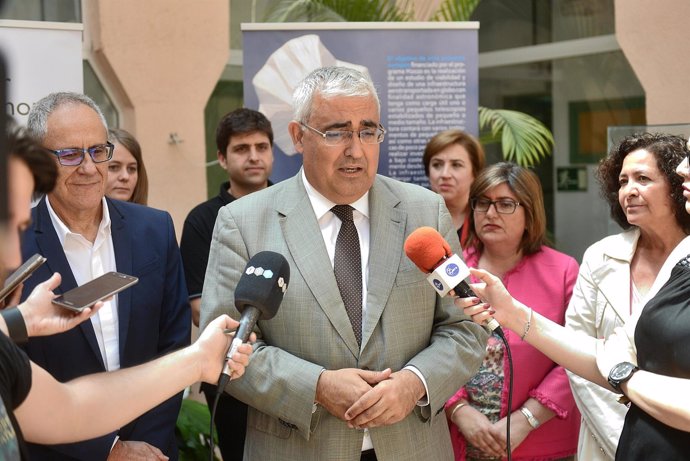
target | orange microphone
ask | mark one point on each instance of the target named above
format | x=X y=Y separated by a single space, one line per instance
x=430 y=252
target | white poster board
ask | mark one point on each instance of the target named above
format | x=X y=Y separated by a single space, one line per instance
x=41 y=58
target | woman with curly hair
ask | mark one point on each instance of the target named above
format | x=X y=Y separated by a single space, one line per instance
x=620 y=272
x=627 y=315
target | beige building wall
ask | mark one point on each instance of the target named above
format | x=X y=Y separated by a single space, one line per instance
x=160 y=60
x=655 y=38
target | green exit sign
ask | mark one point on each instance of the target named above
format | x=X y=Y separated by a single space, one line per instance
x=571 y=178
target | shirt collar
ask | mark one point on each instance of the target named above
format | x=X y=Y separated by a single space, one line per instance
x=226 y=197
x=322 y=205
x=61 y=228
x=224 y=194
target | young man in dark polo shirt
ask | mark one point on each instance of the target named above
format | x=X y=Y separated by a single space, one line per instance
x=244 y=138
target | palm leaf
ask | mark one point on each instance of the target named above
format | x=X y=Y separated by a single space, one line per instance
x=339 y=10
x=455 y=10
x=301 y=11
x=524 y=139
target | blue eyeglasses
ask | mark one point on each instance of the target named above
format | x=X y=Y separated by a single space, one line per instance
x=73 y=156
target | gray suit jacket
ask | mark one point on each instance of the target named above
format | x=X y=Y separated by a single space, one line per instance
x=405 y=324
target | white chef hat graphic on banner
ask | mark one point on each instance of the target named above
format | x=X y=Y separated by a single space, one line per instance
x=277 y=79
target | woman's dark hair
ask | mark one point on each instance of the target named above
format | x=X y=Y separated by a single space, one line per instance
x=668 y=150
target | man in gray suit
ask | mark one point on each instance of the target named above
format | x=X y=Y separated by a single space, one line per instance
x=324 y=384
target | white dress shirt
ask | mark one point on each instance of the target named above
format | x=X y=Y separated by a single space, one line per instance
x=88 y=261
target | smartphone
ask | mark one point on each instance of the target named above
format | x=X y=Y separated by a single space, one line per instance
x=88 y=294
x=21 y=274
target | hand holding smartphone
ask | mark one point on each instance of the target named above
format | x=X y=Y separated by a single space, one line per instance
x=98 y=289
x=21 y=274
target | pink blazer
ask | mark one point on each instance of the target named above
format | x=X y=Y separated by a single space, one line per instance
x=543 y=281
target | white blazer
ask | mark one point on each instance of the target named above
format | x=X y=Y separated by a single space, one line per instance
x=601 y=304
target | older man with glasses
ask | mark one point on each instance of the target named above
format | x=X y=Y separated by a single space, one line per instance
x=362 y=355
x=83 y=235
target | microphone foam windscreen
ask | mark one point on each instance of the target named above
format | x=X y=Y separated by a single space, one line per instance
x=426 y=248
x=263 y=283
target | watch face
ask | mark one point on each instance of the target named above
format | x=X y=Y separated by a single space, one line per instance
x=622 y=371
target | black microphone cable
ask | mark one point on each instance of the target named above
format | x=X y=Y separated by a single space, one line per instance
x=222 y=382
x=464 y=291
x=499 y=332
x=429 y=251
x=258 y=295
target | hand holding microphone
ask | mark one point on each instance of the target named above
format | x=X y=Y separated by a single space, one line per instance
x=258 y=295
x=211 y=348
x=430 y=252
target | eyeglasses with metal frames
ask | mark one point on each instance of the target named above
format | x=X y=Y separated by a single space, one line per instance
x=73 y=156
x=342 y=137
x=502 y=206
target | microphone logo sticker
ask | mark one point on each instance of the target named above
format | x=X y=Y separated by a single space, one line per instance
x=259 y=271
x=438 y=284
x=282 y=284
x=452 y=270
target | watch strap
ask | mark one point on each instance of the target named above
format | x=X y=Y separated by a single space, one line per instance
x=615 y=381
x=15 y=325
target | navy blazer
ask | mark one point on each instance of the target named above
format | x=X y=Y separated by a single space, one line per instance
x=154 y=318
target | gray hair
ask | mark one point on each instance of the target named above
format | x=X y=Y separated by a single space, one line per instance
x=330 y=82
x=37 y=123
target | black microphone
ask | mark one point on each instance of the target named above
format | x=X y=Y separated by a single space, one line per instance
x=430 y=252
x=258 y=295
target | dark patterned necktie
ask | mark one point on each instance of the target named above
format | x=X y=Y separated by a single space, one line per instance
x=348 y=268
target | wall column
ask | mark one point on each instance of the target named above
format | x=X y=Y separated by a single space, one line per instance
x=159 y=61
x=655 y=37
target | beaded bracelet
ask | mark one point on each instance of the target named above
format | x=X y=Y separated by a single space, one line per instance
x=527 y=325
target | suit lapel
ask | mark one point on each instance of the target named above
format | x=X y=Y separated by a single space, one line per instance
x=387 y=232
x=303 y=237
x=613 y=278
x=122 y=246
x=50 y=247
